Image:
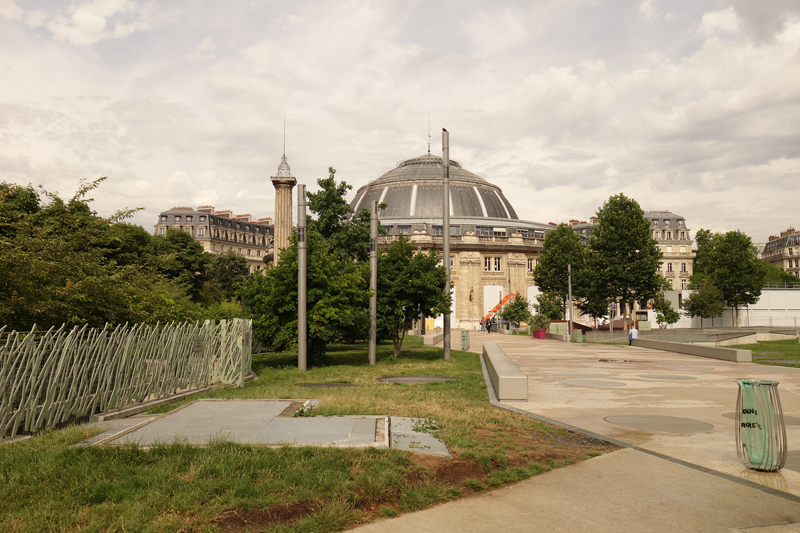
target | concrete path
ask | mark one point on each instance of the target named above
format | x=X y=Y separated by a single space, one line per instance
x=680 y=476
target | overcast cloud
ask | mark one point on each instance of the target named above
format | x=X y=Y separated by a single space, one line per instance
x=688 y=106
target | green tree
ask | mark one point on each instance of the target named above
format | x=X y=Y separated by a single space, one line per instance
x=705 y=301
x=346 y=233
x=775 y=274
x=550 y=305
x=517 y=310
x=227 y=270
x=16 y=202
x=410 y=285
x=337 y=299
x=60 y=268
x=622 y=257
x=178 y=256
x=665 y=312
x=731 y=263
x=562 y=247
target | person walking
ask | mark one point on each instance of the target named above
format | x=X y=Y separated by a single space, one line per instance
x=483 y=325
x=488 y=325
x=633 y=334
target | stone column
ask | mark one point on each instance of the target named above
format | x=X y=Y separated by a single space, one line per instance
x=283 y=182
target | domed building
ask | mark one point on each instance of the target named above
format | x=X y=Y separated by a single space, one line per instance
x=492 y=251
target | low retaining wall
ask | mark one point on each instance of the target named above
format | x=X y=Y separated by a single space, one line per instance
x=713 y=352
x=509 y=381
x=433 y=340
x=557 y=337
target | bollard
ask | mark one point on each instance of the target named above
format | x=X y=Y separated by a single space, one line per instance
x=760 y=431
x=465 y=340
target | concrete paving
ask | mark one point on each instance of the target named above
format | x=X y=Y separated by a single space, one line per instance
x=681 y=472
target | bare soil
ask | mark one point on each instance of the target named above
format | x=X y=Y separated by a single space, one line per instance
x=521 y=448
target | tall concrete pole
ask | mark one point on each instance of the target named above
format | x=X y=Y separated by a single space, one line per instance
x=569 y=281
x=446 y=234
x=302 y=320
x=373 y=284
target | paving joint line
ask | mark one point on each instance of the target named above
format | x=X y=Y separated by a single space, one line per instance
x=495 y=401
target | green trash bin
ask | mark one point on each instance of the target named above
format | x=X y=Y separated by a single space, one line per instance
x=760 y=430
x=465 y=340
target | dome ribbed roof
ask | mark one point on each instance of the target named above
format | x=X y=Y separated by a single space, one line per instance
x=413 y=189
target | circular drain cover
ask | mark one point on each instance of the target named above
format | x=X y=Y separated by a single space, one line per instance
x=582 y=374
x=617 y=361
x=338 y=385
x=592 y=383
x=414 y=380
x=665 y=377
x=690 y=367
x=788 y=420
x=666 y=424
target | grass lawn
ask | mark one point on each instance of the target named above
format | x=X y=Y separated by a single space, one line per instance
x=47 y=485
x=766 y=352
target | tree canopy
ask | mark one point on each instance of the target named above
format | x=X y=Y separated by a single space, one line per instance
x=562 y=247
x=622 y=257
x=730 y=262
x=704 y=302
x=64 y=265
x=410 y=285
x=517 y=310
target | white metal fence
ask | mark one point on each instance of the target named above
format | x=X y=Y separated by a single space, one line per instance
x=51 y=377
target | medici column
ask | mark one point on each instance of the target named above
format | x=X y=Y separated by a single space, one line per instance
x=283 y=182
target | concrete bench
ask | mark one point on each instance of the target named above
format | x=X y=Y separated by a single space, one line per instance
x=713 y=352
x=433 y=340
x=508 y=380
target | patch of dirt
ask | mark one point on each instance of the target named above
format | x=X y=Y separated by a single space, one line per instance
x=291 y=410
x=234 y=520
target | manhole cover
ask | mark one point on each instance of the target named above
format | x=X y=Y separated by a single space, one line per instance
x=414 y=380
x=337 y=385
x=689 y=367
x=788 y=420
x=592 y=383
x=617 y=361
x=582 y=374
x=665 y=424
x=666 y=377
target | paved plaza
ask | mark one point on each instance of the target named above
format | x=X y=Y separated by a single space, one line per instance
x=681 y=471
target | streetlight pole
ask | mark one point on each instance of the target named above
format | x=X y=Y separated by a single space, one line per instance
x=302 y=302
x=446 y=235
x=569 y=284
x=373 y=283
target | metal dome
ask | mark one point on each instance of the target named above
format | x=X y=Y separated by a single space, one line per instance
x=413 y=190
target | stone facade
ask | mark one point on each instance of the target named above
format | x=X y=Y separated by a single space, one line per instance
x=284 y=182
x=784 y=251
x=220 y=231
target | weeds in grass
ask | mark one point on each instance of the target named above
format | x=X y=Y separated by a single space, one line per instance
x=47 y=485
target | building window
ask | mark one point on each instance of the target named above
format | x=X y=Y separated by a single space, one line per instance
x=683 y=235
x=483 y=230
x=201 y=232
x=240 y=250
x=530 y=265
x=163 y=218
x=499 y=233
x=188 y=218
x=202 y=218
x=403 y=230
x=655 y=222
x=655 y=234
x=790 y=251
x=683 y=267
x=258 y=253
x=658 y=268
x=497 y=263
x=525 y=233
x=669 y=235
x=683 y=249
x=188 y=230
x=666 y=222
x=437 y=230
x=669 y=249
x=669 y=267
x=487 y=263
x=177 y=218
x=161 y=231
x=249 y=251
x=680 y=222
x=238 y=226
x=684 y=283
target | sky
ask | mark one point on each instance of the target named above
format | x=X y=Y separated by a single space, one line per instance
x=691 y=106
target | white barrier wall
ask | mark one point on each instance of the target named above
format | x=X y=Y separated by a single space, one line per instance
x=775 y=308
